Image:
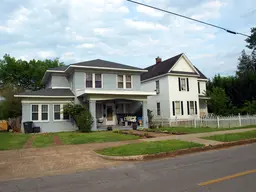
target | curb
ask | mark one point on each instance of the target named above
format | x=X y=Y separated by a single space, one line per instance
x=177 y=153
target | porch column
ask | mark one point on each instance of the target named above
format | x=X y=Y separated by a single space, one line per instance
x=145 y=113
x=92 y=108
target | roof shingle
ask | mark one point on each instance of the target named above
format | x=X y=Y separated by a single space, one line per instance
x=164 y=67
x=49 y=93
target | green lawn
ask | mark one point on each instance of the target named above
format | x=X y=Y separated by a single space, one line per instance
x=233 y=136
x=97 y=137
x=152 y=147
x=189 y=130
x=12 y=141
x=43 y=140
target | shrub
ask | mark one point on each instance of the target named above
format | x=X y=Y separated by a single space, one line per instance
x=81 y=116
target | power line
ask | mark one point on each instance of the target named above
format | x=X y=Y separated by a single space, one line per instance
x=212 y=25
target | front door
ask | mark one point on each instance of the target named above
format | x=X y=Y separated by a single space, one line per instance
x=110 y=114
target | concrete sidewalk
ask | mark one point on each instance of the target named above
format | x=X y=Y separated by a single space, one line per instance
x=197 y=136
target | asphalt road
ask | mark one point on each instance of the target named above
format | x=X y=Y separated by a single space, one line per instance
x=227 y=170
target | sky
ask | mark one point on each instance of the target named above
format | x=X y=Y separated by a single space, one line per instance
x=119 y=31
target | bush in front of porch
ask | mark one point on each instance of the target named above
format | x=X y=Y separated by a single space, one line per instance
x=81 y=116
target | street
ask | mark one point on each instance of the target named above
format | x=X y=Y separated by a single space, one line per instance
x=231 y=169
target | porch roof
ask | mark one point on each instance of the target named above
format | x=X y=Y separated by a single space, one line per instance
x=204 y=97
x=114 y=92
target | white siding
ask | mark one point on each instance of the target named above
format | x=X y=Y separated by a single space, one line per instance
x=183 y=66
x=162 y=97
x=176 y=95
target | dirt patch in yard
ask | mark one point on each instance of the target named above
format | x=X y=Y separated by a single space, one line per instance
x=38 y=162
x=143 y=134
x=57 y=140
x=29 y=142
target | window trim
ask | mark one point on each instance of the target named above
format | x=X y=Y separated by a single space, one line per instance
x=40 y=113
x=61 y=113
x=157 y=86
x=93 y=80
x=124 y=81
x=158 y=114
x=180 y=114
x=185 y=80
x=195 y=108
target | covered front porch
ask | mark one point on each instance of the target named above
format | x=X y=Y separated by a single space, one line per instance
x=120 y=110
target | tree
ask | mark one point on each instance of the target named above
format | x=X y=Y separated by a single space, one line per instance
x=252 y=39
x=218 y=101
x=11 y=106
x=24 y=74
x=245 y=64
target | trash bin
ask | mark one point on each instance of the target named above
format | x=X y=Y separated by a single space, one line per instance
x=28 y=127
x=36 y=129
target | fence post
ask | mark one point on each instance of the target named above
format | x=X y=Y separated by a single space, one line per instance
x=162 y=121
x=195 y=122
x=239 y=118
x=218 y=122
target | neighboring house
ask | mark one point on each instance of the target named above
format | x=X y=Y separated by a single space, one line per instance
x=112 y=91
x=180 y=89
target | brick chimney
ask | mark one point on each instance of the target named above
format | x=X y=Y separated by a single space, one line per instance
x=158 y=60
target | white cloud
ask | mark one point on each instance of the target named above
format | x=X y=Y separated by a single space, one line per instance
x=86 y=45
x=77 y=30
x=149 y=11
x=46 y=54
x=144 y=25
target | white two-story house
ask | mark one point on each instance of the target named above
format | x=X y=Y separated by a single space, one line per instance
x=111 y=91
x=180 y=89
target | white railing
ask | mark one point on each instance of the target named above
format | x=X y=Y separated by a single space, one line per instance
x=208 y=121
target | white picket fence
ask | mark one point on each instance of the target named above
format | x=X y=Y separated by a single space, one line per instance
x=209 y=121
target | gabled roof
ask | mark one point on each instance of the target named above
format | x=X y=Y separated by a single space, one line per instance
x=48 y=93
x=164 y=67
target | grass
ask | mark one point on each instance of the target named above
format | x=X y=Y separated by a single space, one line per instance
x=12 y=140
x=43 y=140
x=152 y=147
x=97 y=137
x=190 y=130
x=233 y=136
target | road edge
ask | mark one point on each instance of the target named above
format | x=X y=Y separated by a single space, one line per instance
x=178 y=152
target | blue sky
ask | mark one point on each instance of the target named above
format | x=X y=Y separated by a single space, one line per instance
x=116 y=30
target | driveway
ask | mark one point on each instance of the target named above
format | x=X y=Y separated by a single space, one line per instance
x=32 y=162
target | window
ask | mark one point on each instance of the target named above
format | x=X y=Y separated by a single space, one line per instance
x=157 y=87
x=158 y=109
x=124 y=81
x=88 y=81
x=44 y=114
x=98 y=81
x=191 y=107
x=120 y=81
x=35 y=114
x=39 y=112
x=177 y=108
x=58 y=113
x=183 y=84
x=128 y=81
